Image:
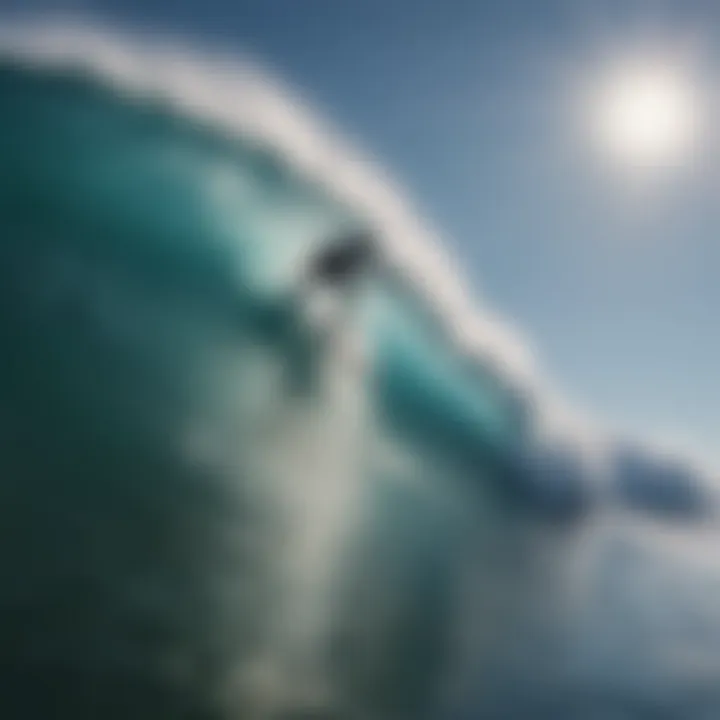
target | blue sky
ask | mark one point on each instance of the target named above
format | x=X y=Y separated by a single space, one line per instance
x=474 y=107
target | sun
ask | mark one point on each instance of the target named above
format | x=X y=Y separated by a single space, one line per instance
x=647 y=116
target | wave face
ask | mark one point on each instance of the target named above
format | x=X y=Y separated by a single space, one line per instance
x=244 y=475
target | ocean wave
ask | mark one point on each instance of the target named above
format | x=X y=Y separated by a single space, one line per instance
x=421 y=444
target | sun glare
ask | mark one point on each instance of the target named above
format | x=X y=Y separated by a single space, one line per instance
x=647 y=117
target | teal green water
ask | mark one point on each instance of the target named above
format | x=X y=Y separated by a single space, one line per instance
x=228 y=489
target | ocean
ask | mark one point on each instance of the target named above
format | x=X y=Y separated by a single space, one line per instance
x=259 y=458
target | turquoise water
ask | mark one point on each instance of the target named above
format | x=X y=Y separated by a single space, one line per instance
x=233 y=487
